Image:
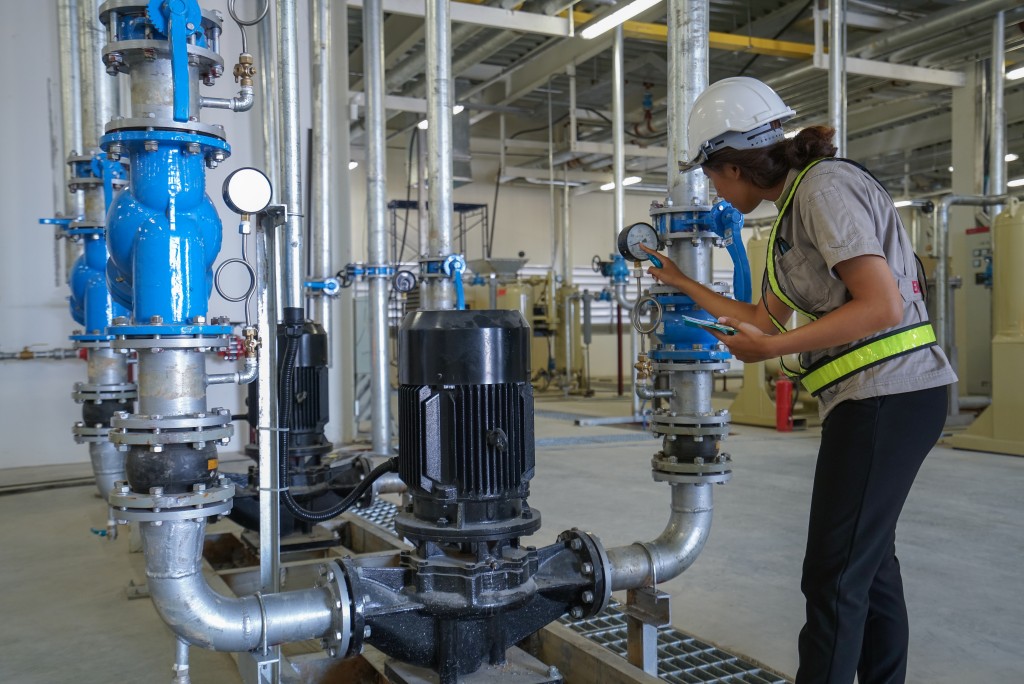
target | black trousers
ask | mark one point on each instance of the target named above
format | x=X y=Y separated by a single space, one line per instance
x=871 y=450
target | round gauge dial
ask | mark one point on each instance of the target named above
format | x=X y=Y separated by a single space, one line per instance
x=631 y=237
x=247 y=191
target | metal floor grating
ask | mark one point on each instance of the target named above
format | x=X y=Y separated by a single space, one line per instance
x=682 y=659
x=380 y=513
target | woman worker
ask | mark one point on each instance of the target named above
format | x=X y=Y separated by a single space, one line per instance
x=838 y=254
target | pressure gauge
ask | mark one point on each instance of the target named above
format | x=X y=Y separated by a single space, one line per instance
x=631 y=237
x=247 y=191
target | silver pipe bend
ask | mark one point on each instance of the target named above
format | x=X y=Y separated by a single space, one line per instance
x=644 y=564
x=202 y=617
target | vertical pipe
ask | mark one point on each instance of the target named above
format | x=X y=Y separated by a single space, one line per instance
x=997 y=154
x=619 y=171
x=291 y=160
x=837 y=73
x=438 y=291
x=376 y=202
x=268 y=103
x=267 y=419
x=567 y=276
x=687 y=78
x=100 y=96
x=71 y=109
x=321 y=178
x=341 y=375
x=618 y=133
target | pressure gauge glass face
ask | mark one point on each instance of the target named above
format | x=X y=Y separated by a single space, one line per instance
x=247 y=191
x=635 y=235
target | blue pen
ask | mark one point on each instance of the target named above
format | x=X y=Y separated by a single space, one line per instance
x=655 y=260
x=783 y=245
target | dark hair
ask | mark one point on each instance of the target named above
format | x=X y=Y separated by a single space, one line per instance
x=766 y=167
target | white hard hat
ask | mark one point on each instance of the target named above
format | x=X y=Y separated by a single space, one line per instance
x=738 y=112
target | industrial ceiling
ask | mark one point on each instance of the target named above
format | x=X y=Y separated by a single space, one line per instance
x=899 y=106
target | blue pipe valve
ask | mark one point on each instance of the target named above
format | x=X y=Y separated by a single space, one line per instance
x=453 y=266
x=329 y=287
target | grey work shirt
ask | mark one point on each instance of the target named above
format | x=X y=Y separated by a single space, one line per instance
x=840 y=212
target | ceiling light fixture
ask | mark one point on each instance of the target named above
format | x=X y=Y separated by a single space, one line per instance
x=352 y=164
x=424 y=125
x=1015 y=183
x=1011 y=157
x=617 y=16
x=629 y=180
x=1015 y=74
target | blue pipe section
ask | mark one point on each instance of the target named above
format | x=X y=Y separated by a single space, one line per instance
x=163 y=230
x=675 y=340
x=177 y=20
x=725 y=221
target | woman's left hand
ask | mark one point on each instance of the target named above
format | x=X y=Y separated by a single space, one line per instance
x=749 y=344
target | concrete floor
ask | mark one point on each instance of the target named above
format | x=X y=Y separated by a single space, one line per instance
x=66 y=617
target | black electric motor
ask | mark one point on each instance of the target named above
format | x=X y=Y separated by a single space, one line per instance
x=470 y=589
x=465 y=411
x=315 y=485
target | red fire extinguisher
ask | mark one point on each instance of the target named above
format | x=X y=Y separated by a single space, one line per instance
x=783 y=404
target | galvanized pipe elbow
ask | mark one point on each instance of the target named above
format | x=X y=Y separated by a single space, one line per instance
x=202 y=617
x=243 y=377
x=645 y=391
x=620 y=296
x=644 y=564
x=242 y=102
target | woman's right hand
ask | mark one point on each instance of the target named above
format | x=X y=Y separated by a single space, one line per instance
x=669 y=273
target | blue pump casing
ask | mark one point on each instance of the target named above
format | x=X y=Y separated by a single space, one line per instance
x=163 y=231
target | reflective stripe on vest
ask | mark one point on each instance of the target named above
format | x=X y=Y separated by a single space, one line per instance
x=828 y=371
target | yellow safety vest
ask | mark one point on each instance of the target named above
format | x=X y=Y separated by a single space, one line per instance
x=830 y=370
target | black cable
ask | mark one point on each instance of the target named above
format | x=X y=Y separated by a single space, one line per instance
x=778 y=33
x=539 y=128
x=400 y=257
x=293 y=324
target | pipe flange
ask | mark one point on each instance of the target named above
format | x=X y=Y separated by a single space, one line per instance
x=594 y=566
x=345 y=637
x=719 y=432
x=710 y=421
x=157 y=344
x=98 y=393
x=84 y=433
x=695 y=472
x=156 y=506
x=213 y=418
x=137 y=124
x=196 y=429
x=690 y=366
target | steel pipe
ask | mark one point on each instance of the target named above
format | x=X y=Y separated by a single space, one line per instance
x=321 y=179
x=71 y=117
x=645 y=564
x=242 y=102
x=291 y=154
x=376 y=202
x=242 y=377
x=688 y=25
x=268 y=111
x=618 y=135
x=437 y=292
x=837 y=73
x=202 y=617
x=997 y=118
